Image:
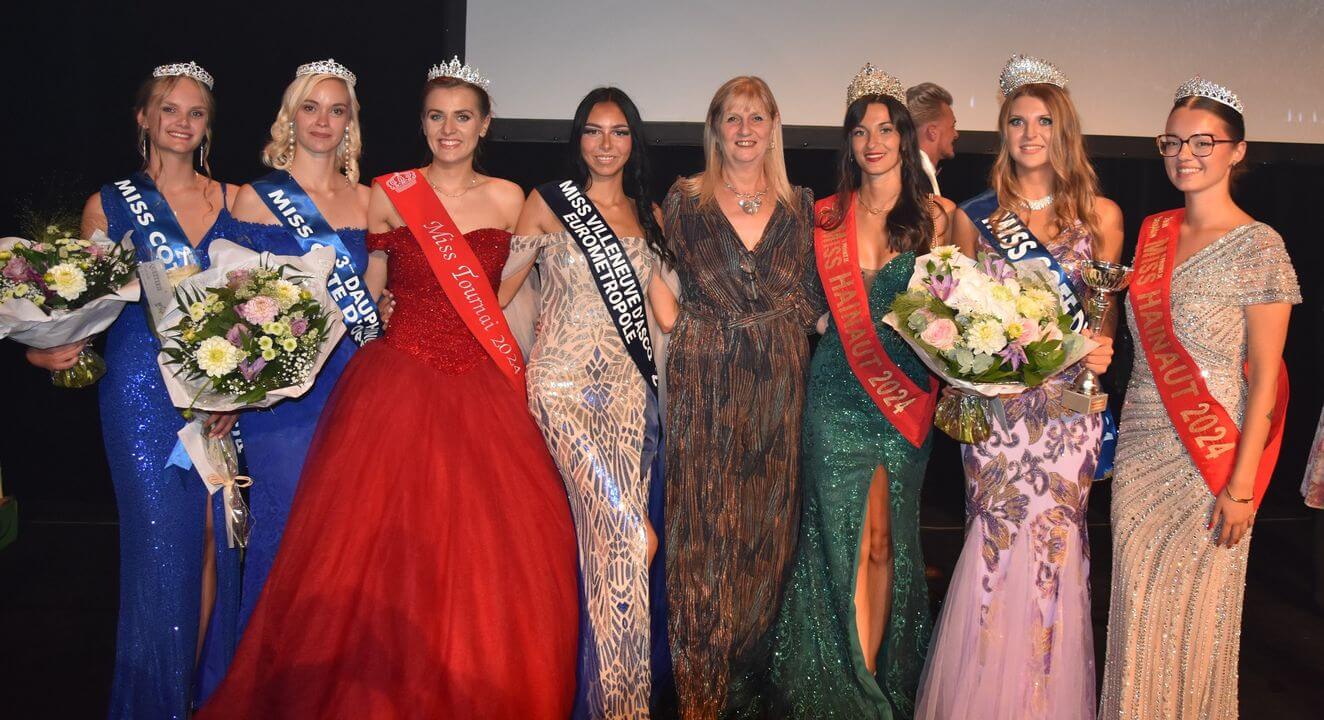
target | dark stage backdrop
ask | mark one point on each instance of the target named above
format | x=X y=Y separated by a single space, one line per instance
x=69 y=129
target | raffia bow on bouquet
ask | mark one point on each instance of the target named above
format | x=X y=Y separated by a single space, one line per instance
x=988 y=328
x=60 y=289
x=251 y=330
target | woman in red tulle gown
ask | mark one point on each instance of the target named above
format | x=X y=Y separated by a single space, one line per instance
x=428 y=566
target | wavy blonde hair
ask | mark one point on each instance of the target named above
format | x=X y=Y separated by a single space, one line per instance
x=704 y=185
x=150 y=96
x=1075 y=184
x=277 y=154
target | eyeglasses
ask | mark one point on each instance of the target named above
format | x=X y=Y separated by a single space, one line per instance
x=1202 y=144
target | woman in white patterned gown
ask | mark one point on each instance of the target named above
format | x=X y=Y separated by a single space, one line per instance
x=1210 y=295
x=596 y=408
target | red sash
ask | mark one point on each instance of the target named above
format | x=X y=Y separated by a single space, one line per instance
x=456 y=268
x=1204 y=426
x=901 y=401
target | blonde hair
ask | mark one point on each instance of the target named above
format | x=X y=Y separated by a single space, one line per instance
x=704 y=185
x=150 y=96
x=1075 y=185
x=277 y=153
x=925 y=102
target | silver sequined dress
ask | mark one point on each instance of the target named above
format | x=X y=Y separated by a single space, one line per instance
x=1175 y=620
x=593 y=408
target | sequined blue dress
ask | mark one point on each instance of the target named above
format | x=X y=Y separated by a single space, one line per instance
x=276 y=439
x=161 y=524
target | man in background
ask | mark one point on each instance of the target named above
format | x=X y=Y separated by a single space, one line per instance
x=935 y=124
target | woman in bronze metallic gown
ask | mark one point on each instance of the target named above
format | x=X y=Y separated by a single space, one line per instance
x=742 y=238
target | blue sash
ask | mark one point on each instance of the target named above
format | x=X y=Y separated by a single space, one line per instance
x=1015 y=242
x=157 y=234
x=296 y=211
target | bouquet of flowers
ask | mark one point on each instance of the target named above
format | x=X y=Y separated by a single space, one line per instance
x=58 y=289
x=987 y=327
x=252 y=329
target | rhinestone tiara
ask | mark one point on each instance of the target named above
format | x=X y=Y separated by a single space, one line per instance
x=1199 y=87
x=1023 y=70
x=188 y=69
x=454 y=69
x=872 y=81
x=327 y=67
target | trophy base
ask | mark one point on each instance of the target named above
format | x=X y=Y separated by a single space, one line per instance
x=1084 y=403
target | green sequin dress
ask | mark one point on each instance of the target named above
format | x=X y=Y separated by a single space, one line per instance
x=818 y=666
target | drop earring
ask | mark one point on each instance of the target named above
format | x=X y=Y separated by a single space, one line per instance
x=142 y=142
x=289 y=154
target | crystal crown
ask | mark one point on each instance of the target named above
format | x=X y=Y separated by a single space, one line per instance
x=327 y=67
x=454 y=69
x=1199 y=87
x=1023 y=70
x=872 y=81
x=188 y=69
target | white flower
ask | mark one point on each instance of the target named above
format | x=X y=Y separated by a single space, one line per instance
x=945 y=253
x=66 y=280
x=285 y=292
x=265 y=342
x=269 y=354
x=289 y=344
x=217 y=357
x=197 y=311
x=22 y=289
x=985 y=336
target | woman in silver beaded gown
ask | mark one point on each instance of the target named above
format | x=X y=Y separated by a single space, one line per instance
x=1179 y=547
x=592 y=403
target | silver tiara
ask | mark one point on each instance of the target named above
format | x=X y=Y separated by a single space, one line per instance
x=454 y=69
x=188 y=69
x=327 y=67
x=872 y=81
x=1199 y=87
x=1023 y=70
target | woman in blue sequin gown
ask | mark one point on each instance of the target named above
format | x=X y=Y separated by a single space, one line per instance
x=322 y=156
x=170 y=636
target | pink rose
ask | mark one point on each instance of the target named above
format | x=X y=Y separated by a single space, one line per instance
x=259 y=310
x=17 y=269
x=235 y=278
x=237 y=334
x=940 y=333
x=298 y=326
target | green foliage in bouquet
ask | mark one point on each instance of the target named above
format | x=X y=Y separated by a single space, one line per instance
x=58 y=271
x=259 y=332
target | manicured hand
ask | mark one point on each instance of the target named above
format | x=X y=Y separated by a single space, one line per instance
x=218 y=425
x=1236 y=517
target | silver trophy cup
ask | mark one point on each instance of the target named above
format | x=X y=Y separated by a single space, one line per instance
x=1105 y=279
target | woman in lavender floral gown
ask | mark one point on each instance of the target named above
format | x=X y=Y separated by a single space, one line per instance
x=1014 y=640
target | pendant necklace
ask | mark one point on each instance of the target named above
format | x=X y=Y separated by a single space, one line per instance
x=472 y=182
x=750 y=203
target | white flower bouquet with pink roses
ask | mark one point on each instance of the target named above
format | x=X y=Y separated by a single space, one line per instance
x=986 y=326
x=252 y=329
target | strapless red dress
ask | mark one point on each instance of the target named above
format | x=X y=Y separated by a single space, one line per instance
x=428 y=566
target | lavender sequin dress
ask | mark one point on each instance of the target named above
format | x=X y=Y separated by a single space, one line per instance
x=1014 y=640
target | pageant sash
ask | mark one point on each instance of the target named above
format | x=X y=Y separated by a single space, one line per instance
x=157 y=233
x=310 y=229
x=614 y=276
x=908 y=407
x=1204 y=425
x=1016 y=243
x=457 y=269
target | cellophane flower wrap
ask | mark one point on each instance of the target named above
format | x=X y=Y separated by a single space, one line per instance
x=252 y=329
x=59 y=288
x=986 y=326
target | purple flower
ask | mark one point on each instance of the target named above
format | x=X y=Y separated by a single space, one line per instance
x=298 y=326
x=237 y=334
x=1014 y=354
x=18 y=269
x=250 y=369
x=942 y=286
x=997 y=268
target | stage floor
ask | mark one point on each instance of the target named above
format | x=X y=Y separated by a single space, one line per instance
x=58 y=604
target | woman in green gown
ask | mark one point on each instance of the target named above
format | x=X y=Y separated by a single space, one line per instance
x=851 y=637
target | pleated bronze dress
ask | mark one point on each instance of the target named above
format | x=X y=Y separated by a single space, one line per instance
x=736 y=374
